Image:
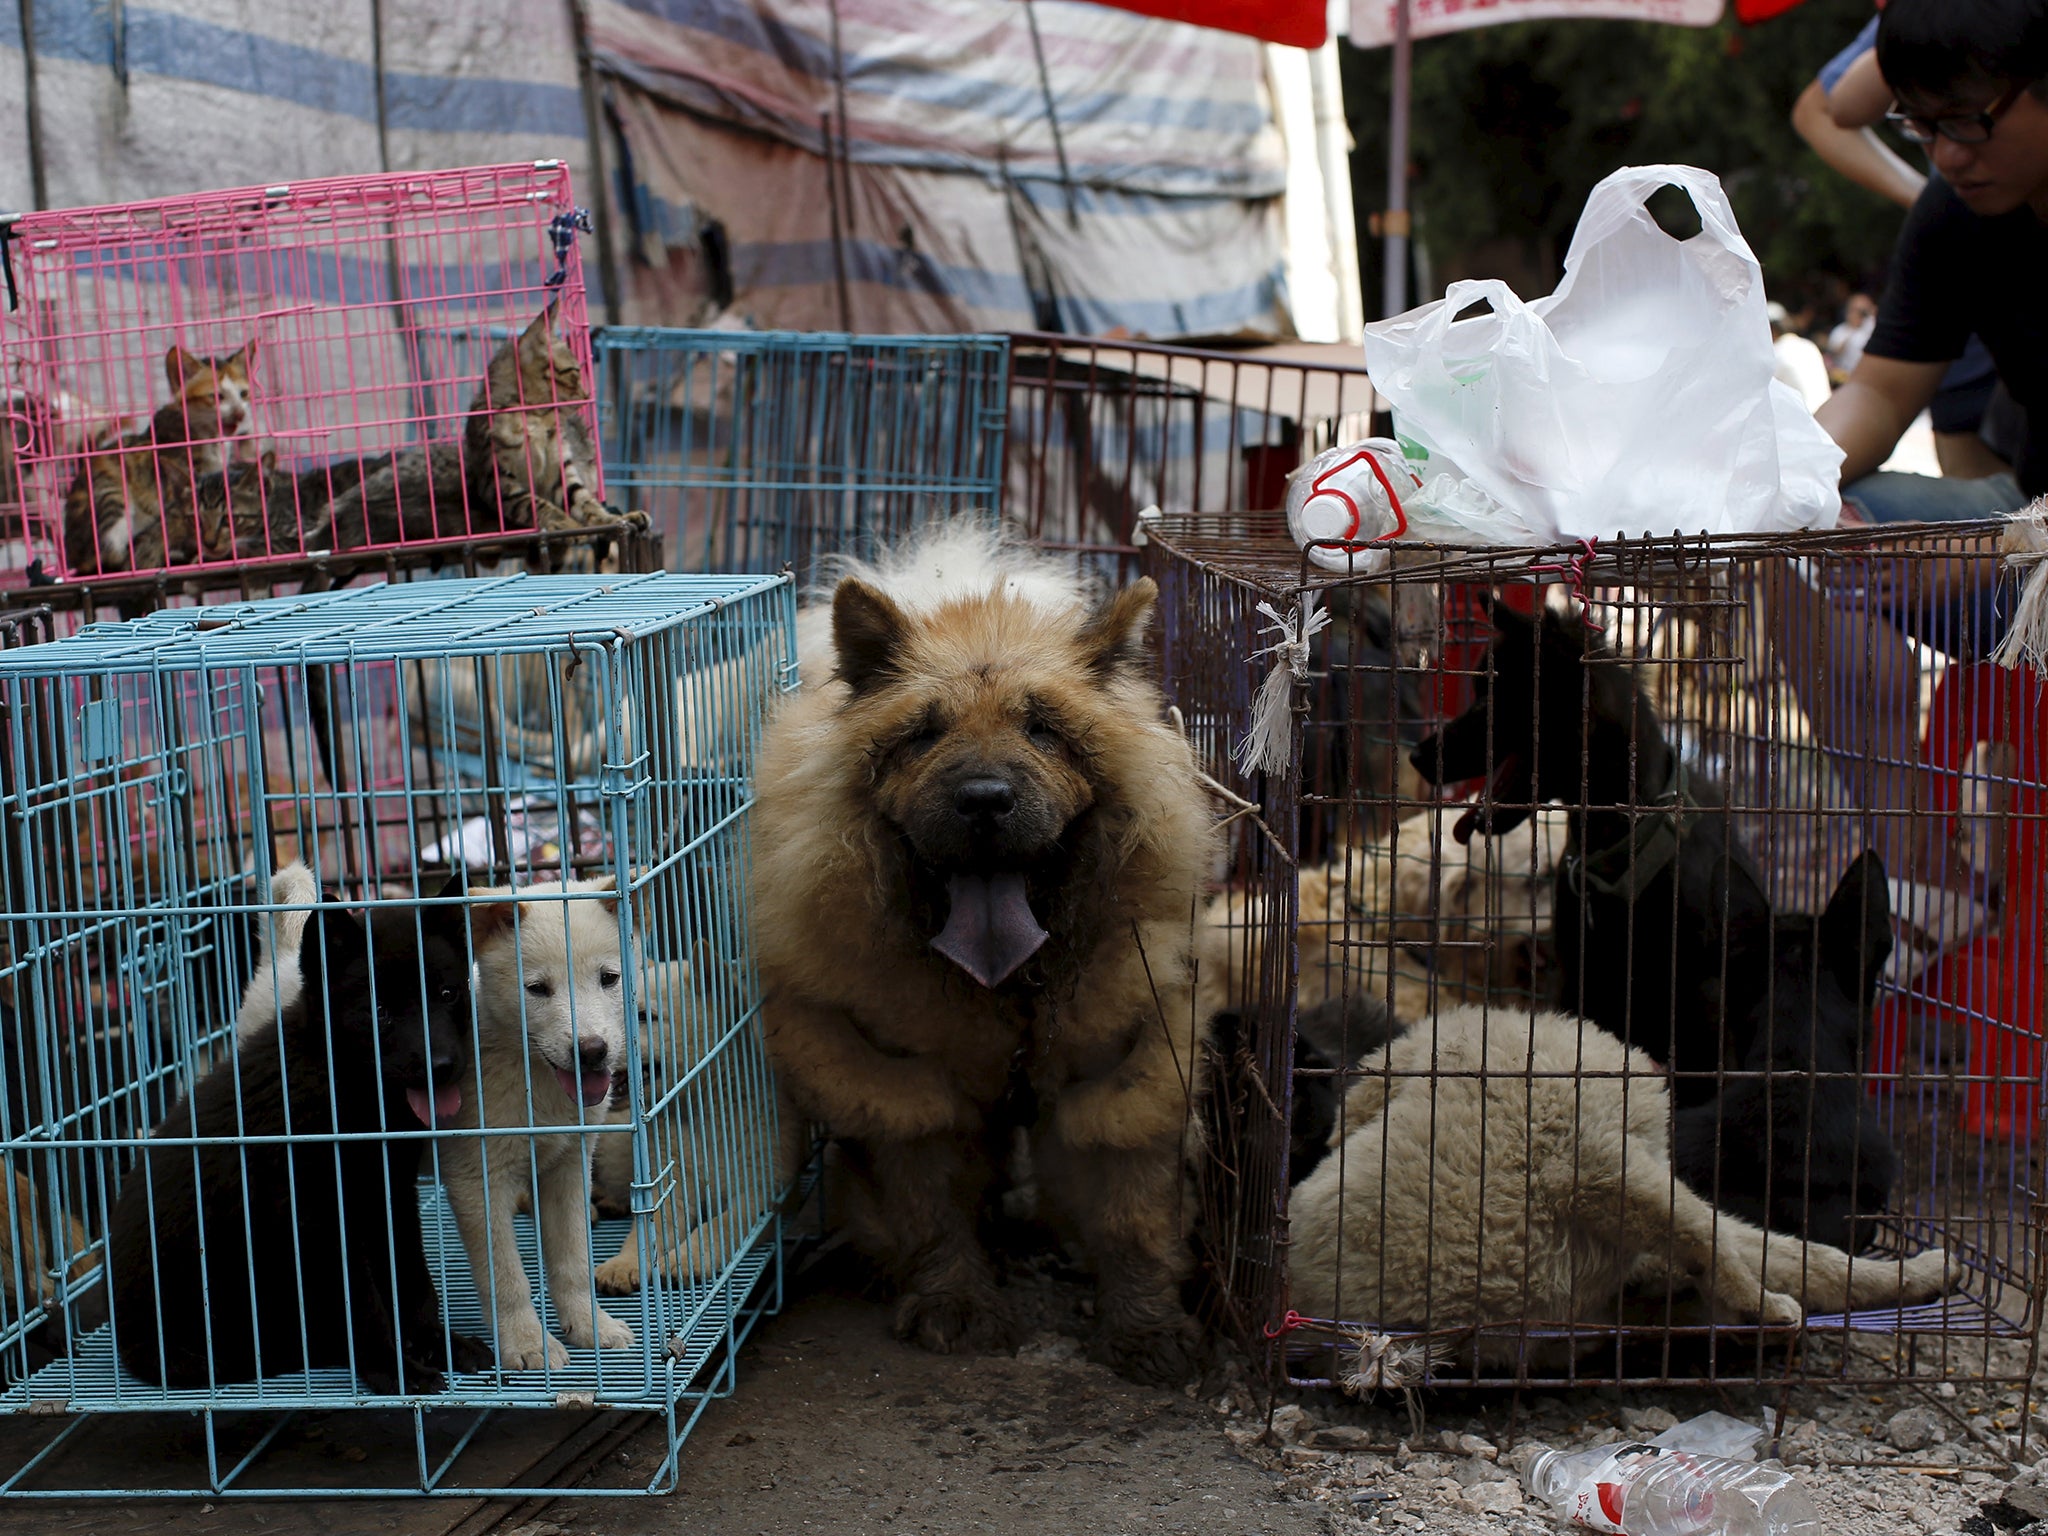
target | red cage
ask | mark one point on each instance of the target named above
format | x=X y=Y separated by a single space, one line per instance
x=253 y=376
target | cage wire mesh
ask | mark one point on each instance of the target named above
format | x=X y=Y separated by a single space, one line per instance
x=1760 y=808
x=756 y=450
x=207 y=382
x=151 y=843
x=1099 y=430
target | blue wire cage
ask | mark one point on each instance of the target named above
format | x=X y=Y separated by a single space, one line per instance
x=158 y=780
x=755 y=450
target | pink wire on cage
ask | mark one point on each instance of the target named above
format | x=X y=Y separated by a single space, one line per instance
x=1287 y=1324
x=1574 y=572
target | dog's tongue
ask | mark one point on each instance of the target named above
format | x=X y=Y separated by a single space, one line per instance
x=446 y=1101
x=1489 y=797
x=990 y=928
x=589 y=1090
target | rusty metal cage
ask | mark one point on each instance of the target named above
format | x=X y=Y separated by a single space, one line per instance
x=1101 y=429
x=1761 y=809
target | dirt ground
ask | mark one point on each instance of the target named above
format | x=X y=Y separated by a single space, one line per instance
x=838 y=1428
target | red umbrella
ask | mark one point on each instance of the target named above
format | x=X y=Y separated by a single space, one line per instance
x=1297 y=23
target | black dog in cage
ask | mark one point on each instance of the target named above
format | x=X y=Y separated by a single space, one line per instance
x=233 y=1259
x=1793 y=1143
x=1329 y=1039
x=1654 y=879
x=1364 y=711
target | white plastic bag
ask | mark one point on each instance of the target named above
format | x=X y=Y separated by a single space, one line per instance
x=1637 y=398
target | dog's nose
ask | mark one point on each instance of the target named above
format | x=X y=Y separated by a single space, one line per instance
x=592 y=1053
x=443 y=1063
x=985 y=797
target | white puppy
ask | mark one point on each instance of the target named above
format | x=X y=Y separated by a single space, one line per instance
x=705 y=1091
x=1493 y=1167
x=551 y=1031
x=277 y=982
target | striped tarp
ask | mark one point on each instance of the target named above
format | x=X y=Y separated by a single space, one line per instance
x=957 y=213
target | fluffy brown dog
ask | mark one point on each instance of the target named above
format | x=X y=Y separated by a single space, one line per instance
x=977 y=854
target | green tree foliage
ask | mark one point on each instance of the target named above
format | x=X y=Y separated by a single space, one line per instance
x=1513 y=125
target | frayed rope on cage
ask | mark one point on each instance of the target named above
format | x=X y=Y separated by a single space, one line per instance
x=1264 y=747
x=2026 y=545
x=1381 y=1363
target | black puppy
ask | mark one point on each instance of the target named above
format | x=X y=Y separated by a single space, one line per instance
x=1653 y=878
x=229 y=1262
x=1793 y=1143
x=1328 y=1037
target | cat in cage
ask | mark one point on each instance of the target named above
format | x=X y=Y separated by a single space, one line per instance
x=525 y=459
x=131 y=506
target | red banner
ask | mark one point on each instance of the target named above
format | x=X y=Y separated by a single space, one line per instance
x=1762 y=10
x=1372 y=21
x=1297 y=23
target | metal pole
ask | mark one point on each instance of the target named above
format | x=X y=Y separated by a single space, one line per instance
x=600 y=189
x=838 y=234
x=1394 y=290
x=845 y=143
x=32 y=100
x=1052 y=117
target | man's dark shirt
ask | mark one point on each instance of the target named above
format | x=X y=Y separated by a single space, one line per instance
x=1954 y=273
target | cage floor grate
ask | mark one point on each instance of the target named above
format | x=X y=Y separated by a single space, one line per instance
x=680 y=1330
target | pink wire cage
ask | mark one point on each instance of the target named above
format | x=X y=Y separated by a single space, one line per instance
x=356 y=317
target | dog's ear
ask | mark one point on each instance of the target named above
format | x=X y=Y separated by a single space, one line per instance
x=1855 y=933
x=488 y=919
x=334 y=938
x=1568 y=632
x=1509 y=623
x=608 y=883
x=1114 y=636
x=867 y=630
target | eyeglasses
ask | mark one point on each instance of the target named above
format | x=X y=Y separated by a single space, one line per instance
x=1957 y=128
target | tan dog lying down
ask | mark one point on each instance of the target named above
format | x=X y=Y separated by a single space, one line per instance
x=1386 y=909
x=1572 y=1128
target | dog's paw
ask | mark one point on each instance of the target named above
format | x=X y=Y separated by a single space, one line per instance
x=467 y=1355
x=1928 y=1275
x=532 y=1351
x=619 y=1275
x=378 y=1382
x=420 y=1379
x=1155 y=1357
x=424 y=1378
x=584 y=1324
x=950 y=1322
x=1781 y=1311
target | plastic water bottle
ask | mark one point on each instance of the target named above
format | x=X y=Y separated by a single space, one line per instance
x=1652 y=1490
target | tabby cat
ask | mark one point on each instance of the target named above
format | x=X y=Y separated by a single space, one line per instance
x=253 y=510
x=131 y=506
x=525 y=459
